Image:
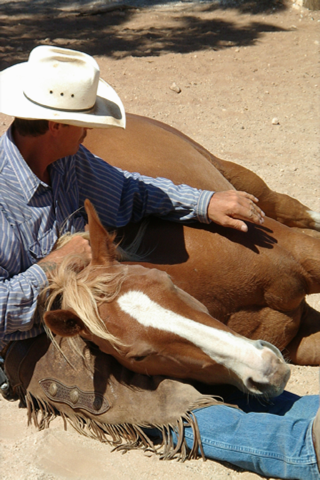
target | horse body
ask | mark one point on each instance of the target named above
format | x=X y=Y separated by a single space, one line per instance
x=158 y=150
x=254 y=282
x=259 y=273
x=155 y=328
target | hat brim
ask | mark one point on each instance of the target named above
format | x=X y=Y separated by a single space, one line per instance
x=108 y=110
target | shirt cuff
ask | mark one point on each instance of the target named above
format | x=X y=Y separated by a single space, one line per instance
x=37 y=276
x=202 y=206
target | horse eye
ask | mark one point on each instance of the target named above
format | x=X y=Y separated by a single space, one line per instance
x=139 y=358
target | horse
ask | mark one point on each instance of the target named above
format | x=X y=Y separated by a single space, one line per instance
x=254 y=282
x=137 y=315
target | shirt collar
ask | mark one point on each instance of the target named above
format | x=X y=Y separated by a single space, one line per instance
x=28 y=181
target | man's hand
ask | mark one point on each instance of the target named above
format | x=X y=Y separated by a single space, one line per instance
x=229 y=208
x=77 y=245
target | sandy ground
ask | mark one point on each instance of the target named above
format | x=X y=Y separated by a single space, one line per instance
x=236 y=72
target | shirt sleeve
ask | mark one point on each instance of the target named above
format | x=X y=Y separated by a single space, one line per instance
x=18 y=293
x=120 y=196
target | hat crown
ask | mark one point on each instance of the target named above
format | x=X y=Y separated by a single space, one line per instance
x=60 y=85
x=63 y=79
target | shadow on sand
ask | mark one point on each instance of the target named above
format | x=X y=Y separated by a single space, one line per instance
x=103 y=28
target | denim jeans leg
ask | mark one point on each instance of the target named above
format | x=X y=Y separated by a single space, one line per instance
x=273 y=440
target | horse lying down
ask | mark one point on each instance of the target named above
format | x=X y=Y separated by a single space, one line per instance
x=137 y=315
x=255 y=282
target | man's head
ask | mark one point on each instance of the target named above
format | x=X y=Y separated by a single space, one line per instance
x=63 y=86
x=30 y=128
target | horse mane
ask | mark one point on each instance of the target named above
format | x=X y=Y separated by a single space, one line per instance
x=72 y=285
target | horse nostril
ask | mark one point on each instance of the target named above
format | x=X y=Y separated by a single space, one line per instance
x=254 y=387
x=263 y=344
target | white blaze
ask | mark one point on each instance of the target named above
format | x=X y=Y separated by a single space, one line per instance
x=222 y=347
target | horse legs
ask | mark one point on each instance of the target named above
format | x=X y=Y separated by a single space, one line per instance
x=281 y=207
x=278 y=206
x=304 y=349
x=295 y=333
x=267 y=323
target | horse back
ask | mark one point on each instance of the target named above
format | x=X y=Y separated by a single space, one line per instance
x=157 y=150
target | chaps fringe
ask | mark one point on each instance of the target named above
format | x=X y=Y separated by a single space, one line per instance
x=126 y=436
x=119 y=422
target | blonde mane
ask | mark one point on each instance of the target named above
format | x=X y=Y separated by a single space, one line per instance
x=73 y=285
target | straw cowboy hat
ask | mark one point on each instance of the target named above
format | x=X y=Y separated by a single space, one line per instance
x=60 y=85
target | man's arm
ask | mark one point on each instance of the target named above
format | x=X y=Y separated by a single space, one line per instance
x=121 y=197
x=18 y=300
x=19 y=291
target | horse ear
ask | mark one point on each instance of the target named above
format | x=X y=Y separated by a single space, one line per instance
x=102 y=246
x=64 y=323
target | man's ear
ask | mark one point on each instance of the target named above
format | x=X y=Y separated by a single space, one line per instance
x=55 y=127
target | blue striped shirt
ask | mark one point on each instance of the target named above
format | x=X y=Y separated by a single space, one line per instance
x=33 y=215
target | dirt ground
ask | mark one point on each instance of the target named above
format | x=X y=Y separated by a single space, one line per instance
x=240 y=78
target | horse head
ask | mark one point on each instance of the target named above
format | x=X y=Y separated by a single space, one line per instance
x=151 y=326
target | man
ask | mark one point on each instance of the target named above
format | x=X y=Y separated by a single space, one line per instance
x=45 y=176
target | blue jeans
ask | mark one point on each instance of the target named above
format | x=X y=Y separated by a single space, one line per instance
x=271 y=439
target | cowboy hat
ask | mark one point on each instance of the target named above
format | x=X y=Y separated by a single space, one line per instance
x=60 y=85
